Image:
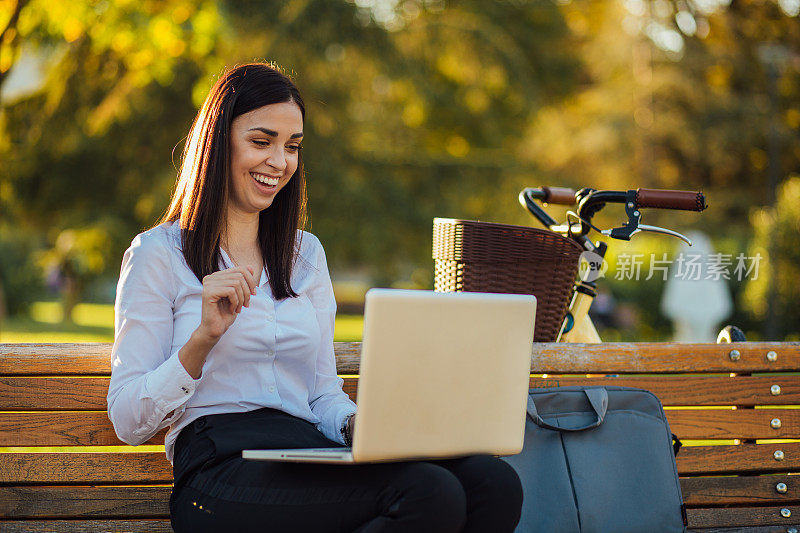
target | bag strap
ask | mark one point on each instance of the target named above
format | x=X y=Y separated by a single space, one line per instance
x=598 y=398
x=676 y=444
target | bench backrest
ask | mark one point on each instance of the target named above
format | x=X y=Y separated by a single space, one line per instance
x=731 y=402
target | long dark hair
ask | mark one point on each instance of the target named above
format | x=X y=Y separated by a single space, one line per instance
x=203 y=187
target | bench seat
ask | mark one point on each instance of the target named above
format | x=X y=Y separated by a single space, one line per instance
x=724 y=405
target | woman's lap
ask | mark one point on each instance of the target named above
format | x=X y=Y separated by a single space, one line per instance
x=216 y=488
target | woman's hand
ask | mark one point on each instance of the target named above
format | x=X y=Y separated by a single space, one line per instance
x=224 y=294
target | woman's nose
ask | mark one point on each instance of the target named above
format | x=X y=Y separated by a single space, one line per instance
x=276 y=159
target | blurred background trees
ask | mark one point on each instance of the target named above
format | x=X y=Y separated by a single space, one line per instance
x=416 y=109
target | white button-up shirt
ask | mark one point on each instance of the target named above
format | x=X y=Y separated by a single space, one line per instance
x=277 y=354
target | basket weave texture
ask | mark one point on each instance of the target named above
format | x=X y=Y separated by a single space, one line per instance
x=475 y=256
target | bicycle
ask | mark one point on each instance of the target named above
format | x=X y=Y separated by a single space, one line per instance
x=578 y=326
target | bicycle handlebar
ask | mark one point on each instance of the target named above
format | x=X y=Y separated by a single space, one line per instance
x=559 y=195
x=590 y=201
x=668 y=199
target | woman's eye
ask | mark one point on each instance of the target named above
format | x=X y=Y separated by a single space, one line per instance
x=261 y=143
x=293 y=147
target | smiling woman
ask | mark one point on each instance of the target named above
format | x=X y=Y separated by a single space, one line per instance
x=224 y=324
x=249 y=130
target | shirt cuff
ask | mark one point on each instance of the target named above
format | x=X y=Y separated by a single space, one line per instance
x=335 y=432
x=170 y=385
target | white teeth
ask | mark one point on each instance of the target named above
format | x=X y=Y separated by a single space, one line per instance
x=272 y=182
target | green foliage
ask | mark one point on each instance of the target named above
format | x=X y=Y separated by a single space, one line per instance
x=415 y=109
x=80 y=253
x=87 y=159
x=776 y=232
x=20 y=277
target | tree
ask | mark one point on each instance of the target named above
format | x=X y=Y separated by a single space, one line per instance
x=89 y=153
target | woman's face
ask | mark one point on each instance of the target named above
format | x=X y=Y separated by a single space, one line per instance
x=265 y=148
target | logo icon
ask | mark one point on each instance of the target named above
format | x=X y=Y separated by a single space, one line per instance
x=591 y=267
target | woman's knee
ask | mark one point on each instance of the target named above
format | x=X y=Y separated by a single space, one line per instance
x=488 y=474
x=493 y=489
x=430 y=496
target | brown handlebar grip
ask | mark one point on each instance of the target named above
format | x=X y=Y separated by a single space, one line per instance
x=667 y=199
x=559 y=195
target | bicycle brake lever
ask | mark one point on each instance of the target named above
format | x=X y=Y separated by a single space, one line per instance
x=663 y=231
x=653 y=229
x=632 y=227
x=625 y=233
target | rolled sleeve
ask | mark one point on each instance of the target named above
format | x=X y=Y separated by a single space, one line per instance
x=148 y=386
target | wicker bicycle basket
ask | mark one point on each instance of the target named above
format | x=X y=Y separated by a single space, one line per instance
x=475 y=256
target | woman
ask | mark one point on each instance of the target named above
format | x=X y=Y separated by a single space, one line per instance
x=224 y=334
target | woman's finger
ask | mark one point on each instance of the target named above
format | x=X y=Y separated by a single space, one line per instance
x=250 y=277
x=240 y=276
x=247 y=291
x=233 y=297
x=236 y=285
x=225 y=291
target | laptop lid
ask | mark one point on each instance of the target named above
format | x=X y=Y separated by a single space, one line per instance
x=443 y=374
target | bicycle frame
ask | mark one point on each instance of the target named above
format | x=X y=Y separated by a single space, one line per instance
x=578 y=325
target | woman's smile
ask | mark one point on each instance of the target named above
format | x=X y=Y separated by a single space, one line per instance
x=263 y=179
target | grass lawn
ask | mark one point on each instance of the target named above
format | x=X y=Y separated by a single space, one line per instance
x=95 y=323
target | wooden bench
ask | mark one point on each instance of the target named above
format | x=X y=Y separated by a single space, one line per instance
x=55 y=395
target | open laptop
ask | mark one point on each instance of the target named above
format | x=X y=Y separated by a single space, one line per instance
x=441 y=375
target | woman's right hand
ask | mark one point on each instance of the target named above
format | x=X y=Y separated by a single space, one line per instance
x=225 y=292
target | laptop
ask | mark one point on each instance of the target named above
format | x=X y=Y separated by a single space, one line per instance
x=442 y=375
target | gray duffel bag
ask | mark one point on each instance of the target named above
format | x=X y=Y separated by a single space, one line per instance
x=598 y=459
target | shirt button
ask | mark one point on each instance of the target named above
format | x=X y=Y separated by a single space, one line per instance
x=270 y=353
x=185 y=390
x=270 y=317
x=272 y=388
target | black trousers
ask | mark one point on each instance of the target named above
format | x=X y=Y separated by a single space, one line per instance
x=216 y=490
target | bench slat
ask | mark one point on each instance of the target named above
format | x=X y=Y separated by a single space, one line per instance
x=163 y=526
x=65 y=428
x=71 y=393
x=547 y=358
x=94 y=359
x=88 y=502
x=66 y=359
x=741 y=459
x=152 y=502
x=77 y=394
x=85 y=526
x=740 y=490
x=742 y=516
x=50 y=393
x=85 y=468
x=152 y=467
x=93 y=428
x=694 y=390
x=734 y=424
x=662 y=357
x=756 y=529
